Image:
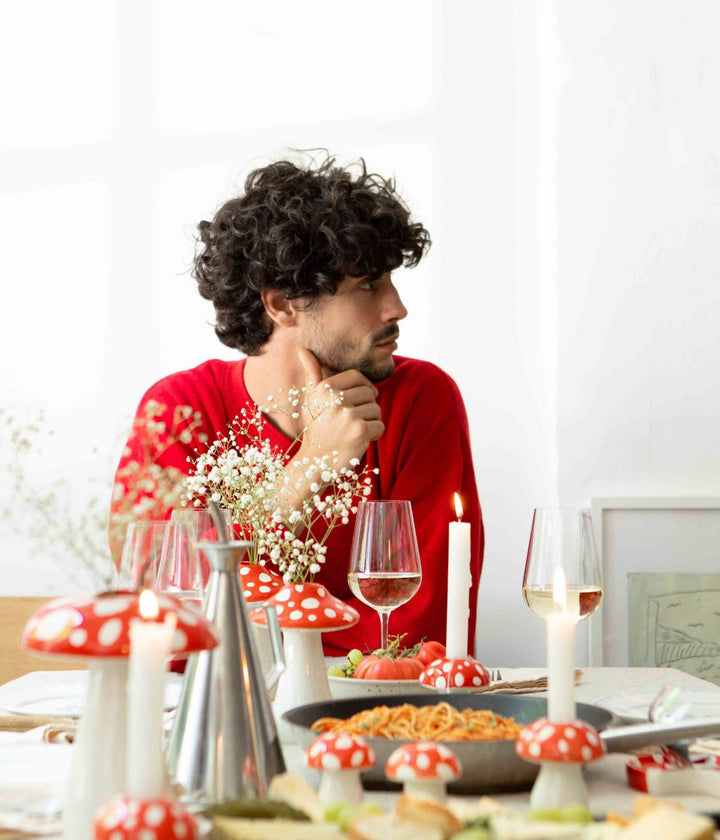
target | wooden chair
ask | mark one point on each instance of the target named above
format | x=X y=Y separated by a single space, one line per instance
x=14 y=659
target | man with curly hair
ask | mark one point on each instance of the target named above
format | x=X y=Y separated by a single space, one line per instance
x=299 y=270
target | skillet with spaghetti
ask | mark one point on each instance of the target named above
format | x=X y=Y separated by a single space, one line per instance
x=489 y=765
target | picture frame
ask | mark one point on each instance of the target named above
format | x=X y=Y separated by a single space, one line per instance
x=638 y=535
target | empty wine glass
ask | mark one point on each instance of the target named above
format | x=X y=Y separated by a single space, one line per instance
x=179 y=571
x=200 y=527
x=562 y=538
x=384 y=561
x=145 y=543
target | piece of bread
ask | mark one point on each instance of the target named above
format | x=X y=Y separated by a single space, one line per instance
x=391 y=827
x=428 y=811
x=238 y=828
x=643 y=803
x=663 y=822
x=295 y=791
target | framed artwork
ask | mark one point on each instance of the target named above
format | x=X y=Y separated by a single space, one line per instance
x=674 y=622
x=660 y=558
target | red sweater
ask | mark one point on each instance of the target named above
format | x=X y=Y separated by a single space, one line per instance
x=423 y=455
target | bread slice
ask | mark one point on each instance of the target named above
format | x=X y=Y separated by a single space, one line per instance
x=669 y=822
x=295 y=791
x=238 y=828
x=391 y=827
x=428 y=811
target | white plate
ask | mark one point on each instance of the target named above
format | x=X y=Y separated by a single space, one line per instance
x=341 y=687
x=634 y=706
x=62 y=693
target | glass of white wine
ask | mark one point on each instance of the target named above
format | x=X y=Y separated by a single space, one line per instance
x=562 y=538
x=385 y=567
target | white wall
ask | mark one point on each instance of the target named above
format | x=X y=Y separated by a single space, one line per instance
x=565 y=164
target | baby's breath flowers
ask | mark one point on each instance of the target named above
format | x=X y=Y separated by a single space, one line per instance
x=287 y=507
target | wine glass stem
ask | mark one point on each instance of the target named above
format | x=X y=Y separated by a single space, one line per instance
x=384 y=625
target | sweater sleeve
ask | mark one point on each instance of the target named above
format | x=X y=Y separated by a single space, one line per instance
x=167 y=432
x=425 y=456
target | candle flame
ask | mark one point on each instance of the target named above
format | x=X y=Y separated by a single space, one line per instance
x=458 y=507
x=559 y=589
x=148 y=605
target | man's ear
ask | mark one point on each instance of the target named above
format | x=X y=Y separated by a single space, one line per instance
x=278 y=307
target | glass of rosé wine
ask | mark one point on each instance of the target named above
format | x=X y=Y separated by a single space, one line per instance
x=384 y=561
x=562 y=539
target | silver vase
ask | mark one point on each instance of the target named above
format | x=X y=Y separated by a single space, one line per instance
x=224 y=742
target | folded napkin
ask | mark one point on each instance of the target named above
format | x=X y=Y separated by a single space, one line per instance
x=520 y=686
x=21 y=723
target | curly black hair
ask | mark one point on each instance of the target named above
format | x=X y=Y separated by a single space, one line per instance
x=299 y=231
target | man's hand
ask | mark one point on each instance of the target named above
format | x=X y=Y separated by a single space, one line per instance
x=347 y=428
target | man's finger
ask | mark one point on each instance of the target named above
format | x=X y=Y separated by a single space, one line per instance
x=311 y=366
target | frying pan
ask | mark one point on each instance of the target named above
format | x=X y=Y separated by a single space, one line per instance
x=488 y=766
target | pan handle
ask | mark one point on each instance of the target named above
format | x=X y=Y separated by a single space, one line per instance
x=624 y=738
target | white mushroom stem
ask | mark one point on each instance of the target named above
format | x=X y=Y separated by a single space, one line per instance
x=559 y=784
x=433 y=788
x=304 y=679
x=97 y=768
x=341 y=784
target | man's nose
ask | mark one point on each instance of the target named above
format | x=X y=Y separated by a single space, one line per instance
x=394 y=309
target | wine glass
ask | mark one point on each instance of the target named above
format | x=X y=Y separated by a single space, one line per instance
x=179 y=572
x=562 y=538
x=384 y=561
x=200 y=527
x=145 y=543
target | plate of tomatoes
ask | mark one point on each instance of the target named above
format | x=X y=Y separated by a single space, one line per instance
x=393 y=670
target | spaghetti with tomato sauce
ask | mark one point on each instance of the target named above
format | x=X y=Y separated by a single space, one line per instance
x=439 y=722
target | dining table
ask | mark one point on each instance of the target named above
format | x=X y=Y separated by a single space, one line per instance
x=33 y=765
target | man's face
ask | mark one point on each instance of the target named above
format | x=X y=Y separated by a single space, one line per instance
x=356 y=328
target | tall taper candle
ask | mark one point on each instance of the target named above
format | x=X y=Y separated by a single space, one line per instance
x=149 y=649
x=560 y=656
x=459 y=579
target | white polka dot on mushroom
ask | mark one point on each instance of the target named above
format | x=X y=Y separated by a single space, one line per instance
x=154 y=814
x=109 y=632
x=78 y=637
x=296 y=615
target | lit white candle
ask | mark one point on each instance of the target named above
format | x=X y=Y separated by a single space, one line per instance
x=149 y=650
x=459 y=579
x=561 y=656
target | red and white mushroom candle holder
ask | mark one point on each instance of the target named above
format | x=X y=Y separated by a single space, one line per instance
x=424 y=768
x=98 y=628
x=560 y=743
x=305 y=611
x=340 y=757
x=457 y=671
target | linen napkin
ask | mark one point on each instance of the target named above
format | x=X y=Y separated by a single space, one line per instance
x=529 y=686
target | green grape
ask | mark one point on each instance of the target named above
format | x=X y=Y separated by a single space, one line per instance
x=333 y=810
x=347 y=815
x=546 y=815
x=336 y=671
x=576 y=812
x=355 y=656
x=370 y=808
x=472 y=834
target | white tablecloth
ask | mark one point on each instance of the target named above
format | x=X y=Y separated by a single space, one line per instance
x=32 y=773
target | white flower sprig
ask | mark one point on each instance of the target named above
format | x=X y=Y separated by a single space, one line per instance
x=267 y=493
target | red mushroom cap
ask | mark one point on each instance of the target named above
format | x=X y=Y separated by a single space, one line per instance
x=99 y=625
x=258 y=582
x=543 y=740
x=423 y=760
x=455 y=673
x=308 y=606
x=340 y=751
x=125 y=818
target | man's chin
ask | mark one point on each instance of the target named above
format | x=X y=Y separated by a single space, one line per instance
x=378 y=372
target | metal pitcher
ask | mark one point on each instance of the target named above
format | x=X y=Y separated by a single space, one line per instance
x=224 y=742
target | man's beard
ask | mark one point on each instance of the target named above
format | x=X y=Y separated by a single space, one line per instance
x=344 y=357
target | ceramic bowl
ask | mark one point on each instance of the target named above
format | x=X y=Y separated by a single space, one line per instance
x=342 y=687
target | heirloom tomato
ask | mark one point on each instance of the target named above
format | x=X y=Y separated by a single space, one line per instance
x=430 y=651
x=374 y=667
